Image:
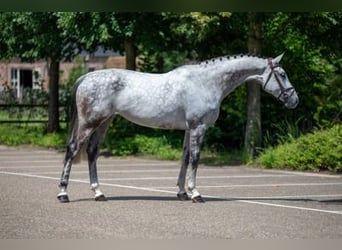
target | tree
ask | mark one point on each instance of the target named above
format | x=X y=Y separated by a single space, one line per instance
x=33 y=36
x=311 y=42
x=130 y=33
x=253 y=135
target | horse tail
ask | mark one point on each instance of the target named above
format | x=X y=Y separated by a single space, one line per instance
x=73 y=125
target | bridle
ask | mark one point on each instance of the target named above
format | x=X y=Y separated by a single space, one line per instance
x=283 y=90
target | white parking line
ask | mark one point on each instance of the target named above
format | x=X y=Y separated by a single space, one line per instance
x=242 y=200
x=306 y=196
x=198 y=177
x=87 y=182
x=298 y=173
x=130 y=171
x=292 y=207
x=264 y=185
x=75 y=170
x=102 y=163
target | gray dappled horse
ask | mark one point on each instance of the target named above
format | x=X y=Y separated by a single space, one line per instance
x=186 y=98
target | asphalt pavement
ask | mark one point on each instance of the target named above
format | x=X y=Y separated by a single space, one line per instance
x=241 y=202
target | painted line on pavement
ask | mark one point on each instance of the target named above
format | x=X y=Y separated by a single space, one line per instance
x=173 y=192
x=262 y=185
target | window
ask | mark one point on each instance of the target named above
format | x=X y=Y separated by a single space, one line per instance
x=23 y=79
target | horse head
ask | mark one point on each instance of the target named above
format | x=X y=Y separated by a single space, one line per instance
x=275 y=81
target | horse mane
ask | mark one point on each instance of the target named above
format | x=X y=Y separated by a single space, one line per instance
x=215 y=60
x=227 y=58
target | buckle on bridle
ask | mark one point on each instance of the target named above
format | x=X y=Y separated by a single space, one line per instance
x=282 y=89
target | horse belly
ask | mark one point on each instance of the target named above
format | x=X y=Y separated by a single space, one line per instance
x=157 y=120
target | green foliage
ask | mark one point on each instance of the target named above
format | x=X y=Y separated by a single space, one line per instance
x=329 y=103
x=158 y=147
x=197 y=26
x=282 y=132
x=319 y=151
x=33 y=36
x=312 y=60
x=31 y=135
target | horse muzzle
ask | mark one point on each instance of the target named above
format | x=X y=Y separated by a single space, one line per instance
x=291 y=101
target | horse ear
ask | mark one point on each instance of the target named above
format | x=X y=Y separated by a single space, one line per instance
x=278 y=58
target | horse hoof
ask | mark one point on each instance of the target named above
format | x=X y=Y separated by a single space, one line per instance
x=198 y=199
x=183 y=197
x=101 y=198
x=63 y=198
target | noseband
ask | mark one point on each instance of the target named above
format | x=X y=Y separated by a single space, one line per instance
x=283 y=90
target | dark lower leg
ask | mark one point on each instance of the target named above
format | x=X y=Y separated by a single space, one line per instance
x=181 y=177
x=72 y=150
x=182 y=195
x=196 y=137
x=69 y=155
x=93 y=151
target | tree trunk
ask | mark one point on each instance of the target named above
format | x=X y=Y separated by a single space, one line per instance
x=131 y=52
x=53 y=123
x=253 y=132
x=159 y=63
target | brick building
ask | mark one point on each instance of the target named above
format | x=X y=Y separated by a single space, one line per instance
x=18 y=75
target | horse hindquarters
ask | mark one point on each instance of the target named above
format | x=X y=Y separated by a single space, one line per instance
x=78 y=134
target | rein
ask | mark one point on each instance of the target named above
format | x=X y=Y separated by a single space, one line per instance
x=283 y=90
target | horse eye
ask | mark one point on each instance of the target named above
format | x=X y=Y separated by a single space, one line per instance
x=282 y=74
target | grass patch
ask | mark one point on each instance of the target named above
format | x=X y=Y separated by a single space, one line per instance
x=157 y=147
x=320 y=151
x=14 y=135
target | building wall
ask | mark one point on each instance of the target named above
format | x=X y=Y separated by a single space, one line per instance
x=3 y=75
x=91 y=63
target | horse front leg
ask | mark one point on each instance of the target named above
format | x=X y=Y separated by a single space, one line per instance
x=182 y=195
x=196 y=138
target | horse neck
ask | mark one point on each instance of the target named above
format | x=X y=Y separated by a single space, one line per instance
x=231 y=73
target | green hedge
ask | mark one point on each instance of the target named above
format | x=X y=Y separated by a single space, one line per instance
x=158 y=147
x=319 y=151
x=14 y=135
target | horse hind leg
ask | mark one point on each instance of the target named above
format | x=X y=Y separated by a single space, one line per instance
x=72 y=150
x=76 y=142
x=93 y=151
